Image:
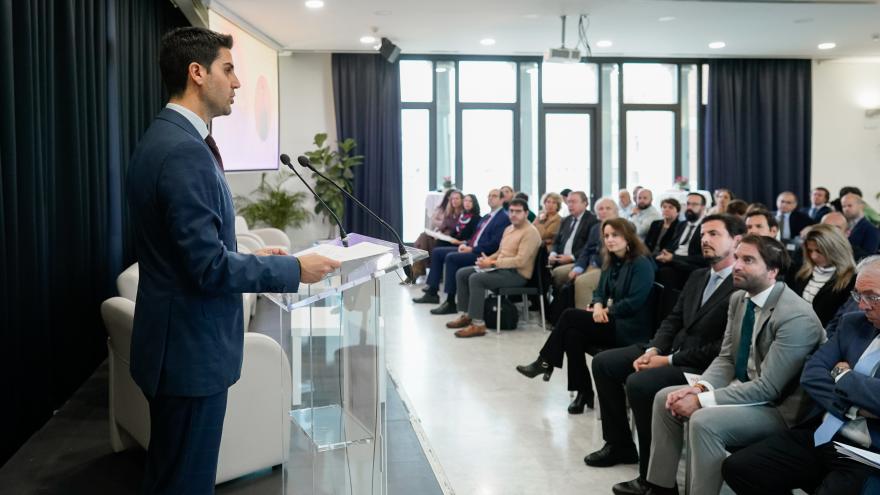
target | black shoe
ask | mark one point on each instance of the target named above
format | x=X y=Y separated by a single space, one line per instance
x=447 y=308
x=639 y=486
x=429 y=298
x=426 y=289
x=534 y=369
x=407 y=281
x=581 y=399
x=609 y=456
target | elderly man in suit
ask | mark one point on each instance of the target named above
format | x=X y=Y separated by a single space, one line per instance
x=187 y=343
x=571 y=238
x=791 y=220
x=688 y=340
x=842 y=378
x=685 y=254
x=770 y=332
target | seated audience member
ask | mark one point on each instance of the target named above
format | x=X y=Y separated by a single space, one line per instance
x=862 y=233
x=685 y=254
x=571 y=238
x=510 y=266
x=872 y=215
x=722 y=197
x=644 y=214
x=443 y=220
x=588 y=267
x=507 y=194
x=828 y=273
x=770 y=332
x=687 y=340
x=838 y=221
x=737 y=207
x=467 y=222
x=617 y=316
x=757 y=206
x=625 y=203
x=563 y=210
x=819 y=207
x=485 y=240
x=791 y=221
x=525 y=197
x=548 y=221
x=661 y=233
x=762 y=222
x=841 y=377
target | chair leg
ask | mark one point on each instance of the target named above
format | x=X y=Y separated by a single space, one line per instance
x=543 y=319
x=498 y=314
x=525 y=309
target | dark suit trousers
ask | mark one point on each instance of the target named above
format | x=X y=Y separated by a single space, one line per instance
x=797 y=464
x=438 y=258
x=615 y=382
x=185 y=437
x=573 y=335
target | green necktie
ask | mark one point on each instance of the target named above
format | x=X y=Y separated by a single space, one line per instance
x=745 y=342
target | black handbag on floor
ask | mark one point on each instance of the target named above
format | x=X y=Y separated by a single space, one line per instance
x=509 y=313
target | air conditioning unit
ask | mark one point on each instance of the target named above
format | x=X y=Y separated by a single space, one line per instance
x=562 y=55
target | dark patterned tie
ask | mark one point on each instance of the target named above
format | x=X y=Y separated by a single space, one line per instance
x=745 y=342
x=214 y=150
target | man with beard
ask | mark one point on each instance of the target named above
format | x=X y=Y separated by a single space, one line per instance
x=645 y=213
x=750 y=390
x=675 y=266
x=686 y=342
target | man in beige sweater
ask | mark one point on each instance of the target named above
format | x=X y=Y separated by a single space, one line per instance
x=510 y=266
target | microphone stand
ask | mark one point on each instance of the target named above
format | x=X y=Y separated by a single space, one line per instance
x=286 y=160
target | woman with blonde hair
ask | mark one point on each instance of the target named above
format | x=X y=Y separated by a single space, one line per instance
x=548 y=221
x=828 y=274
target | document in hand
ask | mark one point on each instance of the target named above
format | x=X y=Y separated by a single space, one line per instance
x=354 y=258
x=440 y=236
x=866 y=457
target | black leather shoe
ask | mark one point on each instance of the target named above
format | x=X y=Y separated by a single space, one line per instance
x=536 y=368
x=447 y=308
x=580 y=400
x=639 y=486
x=428 y=298
x=609 y=456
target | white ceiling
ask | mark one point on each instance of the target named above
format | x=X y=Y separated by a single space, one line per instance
x=529 y=27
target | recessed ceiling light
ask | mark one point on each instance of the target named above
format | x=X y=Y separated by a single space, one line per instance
x=666 y=18
x=487 y=41
x=368 y=39
x=440 y=69
x=827 y=46
x=715 y=45
x=604 y=43
x=314 y=4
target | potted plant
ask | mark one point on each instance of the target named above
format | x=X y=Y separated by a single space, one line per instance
x=338 y=166
x=273 y=205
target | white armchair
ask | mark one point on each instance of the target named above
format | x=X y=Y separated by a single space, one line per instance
x=269 y=236
x=256 y=425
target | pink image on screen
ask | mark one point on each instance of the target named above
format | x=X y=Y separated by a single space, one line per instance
x=262 y=108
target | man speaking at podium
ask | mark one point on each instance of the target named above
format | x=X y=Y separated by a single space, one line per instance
x=187 y=341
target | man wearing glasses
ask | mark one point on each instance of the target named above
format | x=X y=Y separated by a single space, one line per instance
x=842 y=377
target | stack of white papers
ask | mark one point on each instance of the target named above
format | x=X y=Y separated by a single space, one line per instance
x=440 y=236
x=866 y=457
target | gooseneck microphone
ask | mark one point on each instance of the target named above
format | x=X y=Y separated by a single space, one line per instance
x=304 y=161
x=286 y=160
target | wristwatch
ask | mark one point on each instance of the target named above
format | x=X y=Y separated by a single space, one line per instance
x=837 y=371
x=701 y=387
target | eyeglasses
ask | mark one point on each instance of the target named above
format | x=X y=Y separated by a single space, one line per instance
x=870 y=300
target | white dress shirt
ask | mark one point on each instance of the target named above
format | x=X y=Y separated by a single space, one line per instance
x=191 y=116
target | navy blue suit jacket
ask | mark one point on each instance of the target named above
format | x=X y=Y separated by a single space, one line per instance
x=490 y=240
x=818 y=214
x=853 y=336
x=188 y=337
x=865 y=236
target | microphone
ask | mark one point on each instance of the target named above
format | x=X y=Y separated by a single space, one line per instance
x=304 y=161
x=286 y=160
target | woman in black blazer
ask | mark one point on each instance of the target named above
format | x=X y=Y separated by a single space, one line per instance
x=661 y=234
x=828 y=274
x=617 y=316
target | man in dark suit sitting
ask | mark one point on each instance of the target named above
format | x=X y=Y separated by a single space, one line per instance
x=676 y=264
x=818 y=204
x=791 y=220
x=484 y=242
x=862 y=233
x=842 y=377
x=686 y=341
x=571 y=238
x=187 y=342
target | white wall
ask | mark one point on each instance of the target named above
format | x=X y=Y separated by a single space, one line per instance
x=845 y=152
x=306 y=106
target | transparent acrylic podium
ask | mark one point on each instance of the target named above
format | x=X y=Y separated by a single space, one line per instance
x=332 y=336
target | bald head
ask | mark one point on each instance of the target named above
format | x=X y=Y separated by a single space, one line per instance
x=836 y=219
x=853 y=207
x=644 y=199
x=786 y=202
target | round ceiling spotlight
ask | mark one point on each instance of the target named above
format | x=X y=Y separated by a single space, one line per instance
x=717 y=45
x=368 y=39
x=315 y=4
x=827 y=46
x=487 y=41
x=666 y=18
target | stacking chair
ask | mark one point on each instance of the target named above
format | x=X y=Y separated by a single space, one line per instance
x=534 y=287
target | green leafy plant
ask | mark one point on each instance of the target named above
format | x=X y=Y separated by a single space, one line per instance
x=273 y=205
x=338 y=166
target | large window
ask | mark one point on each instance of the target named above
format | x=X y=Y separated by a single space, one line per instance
x=485 y=122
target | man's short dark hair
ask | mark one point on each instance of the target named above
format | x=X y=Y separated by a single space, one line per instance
x=519 y=202
x=702 y=198
x=850 y=190
x=521 y=195
x=772 y=251
x=733 y=224
x=565 y=192
x=672 y=202
x=186 y=45
x=737 y=207
x=771 y=220
x=826 y=191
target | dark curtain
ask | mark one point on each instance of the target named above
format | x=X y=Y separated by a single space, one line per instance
x=366 y=92
x=58 y=131
x=758 y=125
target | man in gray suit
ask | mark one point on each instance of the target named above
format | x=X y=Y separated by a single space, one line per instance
x=770 y=332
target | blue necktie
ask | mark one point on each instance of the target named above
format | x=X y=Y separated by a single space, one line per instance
x=745 y=342
x=832 y=424
x=710 y=287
